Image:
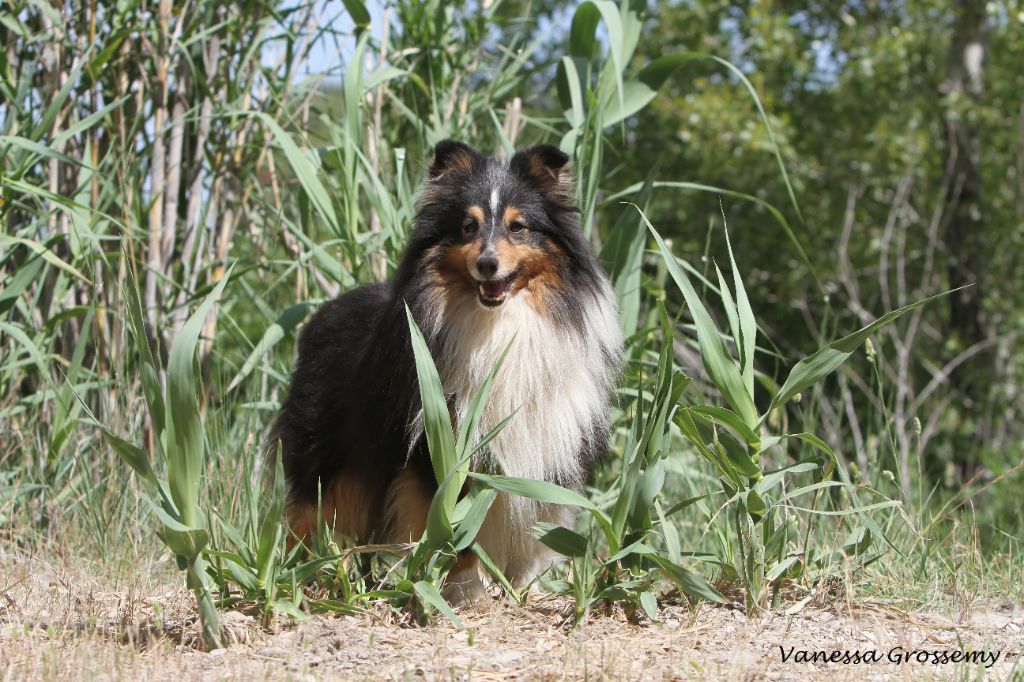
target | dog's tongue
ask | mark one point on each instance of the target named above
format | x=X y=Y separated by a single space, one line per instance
x=494 y=287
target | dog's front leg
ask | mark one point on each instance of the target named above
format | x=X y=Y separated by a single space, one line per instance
x=463 y=584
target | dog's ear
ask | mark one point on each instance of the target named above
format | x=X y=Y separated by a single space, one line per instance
x=451 y=155
x=546 y=167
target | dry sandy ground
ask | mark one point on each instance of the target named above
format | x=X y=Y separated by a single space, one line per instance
x=57 y=624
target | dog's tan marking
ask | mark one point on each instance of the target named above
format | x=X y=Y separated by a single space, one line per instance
x=512 y=214
x=465 y=561
x=476 y=213
x=463 y=585
x=538 y=270
x=345 y=508
x=405 y=515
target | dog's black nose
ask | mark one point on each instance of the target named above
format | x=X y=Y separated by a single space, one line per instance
x=487 y=265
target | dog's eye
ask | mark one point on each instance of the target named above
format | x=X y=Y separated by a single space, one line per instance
x=469 y=226
x=516 y=227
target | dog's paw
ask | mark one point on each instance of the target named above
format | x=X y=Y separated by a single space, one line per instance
x=464 y=588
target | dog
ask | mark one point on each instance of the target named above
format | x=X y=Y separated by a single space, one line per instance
x=496 y=255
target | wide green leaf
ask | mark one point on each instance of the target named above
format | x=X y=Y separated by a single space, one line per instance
x=545 y=491
x=469 y=526
x=131 y=454
x=564 y=541
x=542 y=491
x=687 y=581
x=358 y=12
x=306 y=170
x=184 y=430
x=582 y=34
x=720 y=365
x=430 y=595
x=746 y=340
x=823 y=362
x=281 y=327
x=437 y=423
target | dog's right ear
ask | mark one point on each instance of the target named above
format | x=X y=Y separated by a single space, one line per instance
x=451 y=155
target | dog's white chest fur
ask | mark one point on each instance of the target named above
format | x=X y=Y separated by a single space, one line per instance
x=555 y=379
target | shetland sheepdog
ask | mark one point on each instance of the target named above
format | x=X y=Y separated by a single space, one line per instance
x=496 y=253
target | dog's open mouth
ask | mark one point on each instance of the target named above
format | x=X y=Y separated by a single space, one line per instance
x=493 y=292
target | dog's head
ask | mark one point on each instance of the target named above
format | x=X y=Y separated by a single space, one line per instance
x=496 y=230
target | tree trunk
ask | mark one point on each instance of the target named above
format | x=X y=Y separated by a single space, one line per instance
x=964 y=233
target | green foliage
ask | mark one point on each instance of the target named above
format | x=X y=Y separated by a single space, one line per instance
x=178 y=426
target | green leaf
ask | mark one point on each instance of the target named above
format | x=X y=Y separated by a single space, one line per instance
x=650 y=605
x=814 y=368
x=669 y=534
x=582 y=35
x=721 y=367
x=736 y=454
x=357 y=10
x=564 y=541
x=469 y=527
x=650 y=484
x=570 y=92
x=622 y=255
x=640 y=91
x=637 y=547
x=437 y=423
x=781 y=567
x=24 y=275
x=184 y=430
x=556 y=586
x=821 y=485
x=690 y=583
x=89 y=121
x=730 y=419
x=46 y=254
x=693 y=428
x=187 y=543
x=747 y=340
x=36 y=148
x=616 y=41
x=850 y=512
x=289 y=609
x=430 y=595
x=542 y=491
x=772 y=478
x=698 y=187
x=280 y=328
x=306 y=171
x=755 y=505
x=382 y=75
x=333 y=606
x=471 y=421
x=271 y=530
x=679 y=506
x=241 y=574
x=131 y=454
x=857 y=542
x=488 y=563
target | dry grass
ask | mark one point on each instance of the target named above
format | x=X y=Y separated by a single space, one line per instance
x=62 y=620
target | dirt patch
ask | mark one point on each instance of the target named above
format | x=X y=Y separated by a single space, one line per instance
x=57 y=628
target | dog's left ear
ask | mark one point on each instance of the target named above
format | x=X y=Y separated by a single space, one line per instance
x=546 y=167
x=451 y=155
